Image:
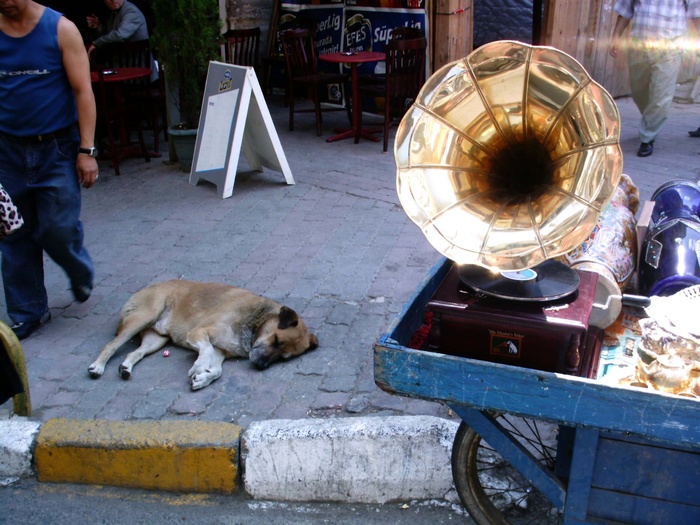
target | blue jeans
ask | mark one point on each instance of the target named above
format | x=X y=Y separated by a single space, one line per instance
x=42 y=181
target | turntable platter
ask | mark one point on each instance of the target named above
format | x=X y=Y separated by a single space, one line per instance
x=548 y=281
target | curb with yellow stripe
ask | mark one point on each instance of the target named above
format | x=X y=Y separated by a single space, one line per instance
x=182 y=456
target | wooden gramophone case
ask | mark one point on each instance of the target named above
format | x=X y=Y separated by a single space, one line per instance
x=552 y=336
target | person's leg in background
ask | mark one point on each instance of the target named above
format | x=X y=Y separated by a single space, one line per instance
x=665 y=65
x=657 y=71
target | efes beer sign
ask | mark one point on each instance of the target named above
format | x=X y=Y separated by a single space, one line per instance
x=358 y=34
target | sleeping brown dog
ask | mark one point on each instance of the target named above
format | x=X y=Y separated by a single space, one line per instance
x=215 y=320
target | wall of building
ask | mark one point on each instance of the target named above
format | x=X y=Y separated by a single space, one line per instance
x=243 y=14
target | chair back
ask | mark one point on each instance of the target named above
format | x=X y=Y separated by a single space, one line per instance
x=241 y=47
x=136 y=53
x=404 y=32
x=298 y=48
x=405 y=68
x=128 y=54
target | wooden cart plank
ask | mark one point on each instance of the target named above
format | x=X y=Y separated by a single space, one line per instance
x=565 y=399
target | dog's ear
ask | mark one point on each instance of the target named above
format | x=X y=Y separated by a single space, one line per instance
x=288 y=317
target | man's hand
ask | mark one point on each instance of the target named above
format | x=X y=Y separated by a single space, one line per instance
x=616 y=41
x=86 y=167
x=614 y=48
x=92 y=21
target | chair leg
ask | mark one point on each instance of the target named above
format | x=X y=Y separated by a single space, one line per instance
x=112 y=146
x=291 y=109
x=139 y=133
x=156 y=130
x=358 y=107
x=387 y=121
x=142 y=143
x=317 y=107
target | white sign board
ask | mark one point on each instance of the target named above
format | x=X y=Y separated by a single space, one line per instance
x=234 y=117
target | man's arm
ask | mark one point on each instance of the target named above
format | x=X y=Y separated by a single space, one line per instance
x=77 y=66
x=616 y=42
x=130 y=21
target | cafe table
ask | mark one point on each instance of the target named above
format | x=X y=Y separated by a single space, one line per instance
x=115 y=78
x=354 y=58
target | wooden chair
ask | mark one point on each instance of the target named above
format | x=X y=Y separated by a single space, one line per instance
x=136 y=53
x=397 y=33
x=300 y=58
x=150 y=96
x=404 y=32
x=116 y=110
x=242 y=47
x=405 y=75
x=274 y=62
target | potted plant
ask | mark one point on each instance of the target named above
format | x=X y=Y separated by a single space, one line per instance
x=186 y=36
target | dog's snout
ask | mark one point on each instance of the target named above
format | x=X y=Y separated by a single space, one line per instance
x=260 y=358
x=261 y=365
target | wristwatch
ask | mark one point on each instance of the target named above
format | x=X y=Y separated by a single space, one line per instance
x=92 y=152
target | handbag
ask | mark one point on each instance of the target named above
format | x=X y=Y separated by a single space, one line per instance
x=10 y=219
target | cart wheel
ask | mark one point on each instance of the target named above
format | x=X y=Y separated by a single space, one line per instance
x=491 y=489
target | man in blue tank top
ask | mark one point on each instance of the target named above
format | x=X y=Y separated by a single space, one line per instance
x=47 y=133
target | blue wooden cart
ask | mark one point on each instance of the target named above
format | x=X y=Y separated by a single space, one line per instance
x=542 y=447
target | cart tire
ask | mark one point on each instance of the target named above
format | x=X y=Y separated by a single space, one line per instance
x=490 y=488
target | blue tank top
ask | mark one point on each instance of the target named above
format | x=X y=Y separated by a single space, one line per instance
x=35 y=95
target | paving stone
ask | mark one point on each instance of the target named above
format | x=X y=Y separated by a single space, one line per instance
x=336 y=246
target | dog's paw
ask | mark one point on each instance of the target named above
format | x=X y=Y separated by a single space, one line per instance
x=124 y=371
x=206 y=378
x=196 y=370
x=199 y=381
x=95 y=370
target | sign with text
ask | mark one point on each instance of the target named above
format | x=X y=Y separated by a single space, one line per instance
x=349 y=25
x=234 y=118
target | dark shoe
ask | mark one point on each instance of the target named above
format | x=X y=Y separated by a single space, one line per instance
x=646 y=149
x=27 y=328
x=695 y=133
x=82 y=292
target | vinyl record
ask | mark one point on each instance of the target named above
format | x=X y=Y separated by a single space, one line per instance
x=547 y=281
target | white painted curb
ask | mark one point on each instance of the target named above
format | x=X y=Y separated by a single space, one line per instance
x=16 y=448
x=364 y=460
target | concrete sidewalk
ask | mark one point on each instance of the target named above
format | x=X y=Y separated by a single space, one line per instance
x=337 y=248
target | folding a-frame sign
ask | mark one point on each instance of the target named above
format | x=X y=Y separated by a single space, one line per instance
x=234 y=117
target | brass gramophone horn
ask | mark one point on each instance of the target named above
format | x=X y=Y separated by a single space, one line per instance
x=508 y=156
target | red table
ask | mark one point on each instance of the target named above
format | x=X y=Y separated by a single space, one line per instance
x=121 y=74
x=114 y=77
x=354 y=58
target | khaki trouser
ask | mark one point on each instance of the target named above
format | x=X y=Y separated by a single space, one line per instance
x=653 y=77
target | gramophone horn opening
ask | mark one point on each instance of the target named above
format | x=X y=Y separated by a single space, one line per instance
x=521 y=171
x=508 y=156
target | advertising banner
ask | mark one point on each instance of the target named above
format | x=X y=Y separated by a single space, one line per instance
x=351 y=25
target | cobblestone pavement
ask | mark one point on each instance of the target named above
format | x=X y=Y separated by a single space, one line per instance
x=336 y=247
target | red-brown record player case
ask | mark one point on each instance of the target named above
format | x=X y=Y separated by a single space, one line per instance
x=550 y=336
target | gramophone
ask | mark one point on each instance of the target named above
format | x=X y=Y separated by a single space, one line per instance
x=505 y=161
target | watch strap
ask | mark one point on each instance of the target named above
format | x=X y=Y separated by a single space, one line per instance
x=92 y=152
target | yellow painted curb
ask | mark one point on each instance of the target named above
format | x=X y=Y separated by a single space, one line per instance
x=181 y=456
